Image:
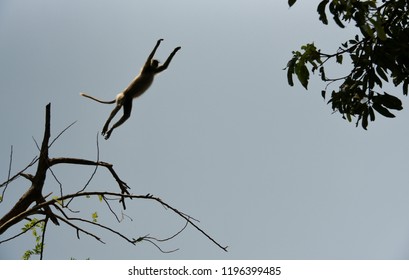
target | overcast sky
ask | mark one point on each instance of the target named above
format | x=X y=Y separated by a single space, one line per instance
x=266 y=168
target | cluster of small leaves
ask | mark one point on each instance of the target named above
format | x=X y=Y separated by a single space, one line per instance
x=379 y=54
x=95 y=217
x=34 y=225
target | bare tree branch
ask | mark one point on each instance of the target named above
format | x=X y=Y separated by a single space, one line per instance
x=95 y=169
x=20 y=173
x=43 y=238
x=33 y=202
x=9 y=172
x=34 y=193
x=79 y=229
x=61 y=133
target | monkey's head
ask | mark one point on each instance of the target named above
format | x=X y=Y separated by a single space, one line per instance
x=154 y=63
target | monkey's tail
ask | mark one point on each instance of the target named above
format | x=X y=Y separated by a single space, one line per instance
x=95 y=99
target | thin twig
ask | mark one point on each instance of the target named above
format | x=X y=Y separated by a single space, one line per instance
x=159 y=248
x=20 y=173
x=43 y=238
x=123 y=196
x=97 y=225
x=8 y=174
x=61 y=133
x=35 y=142
x=171 y=237
x=95 y=169
x=110 y=209
x=10 y=163
x=58 y=181
x=78 y=229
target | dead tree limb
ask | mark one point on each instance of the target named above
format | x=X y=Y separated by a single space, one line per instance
x=34 y=202
x=34 y=193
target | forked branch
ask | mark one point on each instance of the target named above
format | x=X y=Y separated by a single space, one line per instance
x=34 y=202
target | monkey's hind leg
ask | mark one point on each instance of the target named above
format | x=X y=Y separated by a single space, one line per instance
x=111 y=116
x=127 y=113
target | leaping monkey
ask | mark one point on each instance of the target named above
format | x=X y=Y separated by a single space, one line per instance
x=137 y=87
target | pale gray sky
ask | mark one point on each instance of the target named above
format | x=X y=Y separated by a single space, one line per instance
x=266 y=168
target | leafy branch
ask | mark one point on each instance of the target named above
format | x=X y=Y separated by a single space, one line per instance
x=379 y=53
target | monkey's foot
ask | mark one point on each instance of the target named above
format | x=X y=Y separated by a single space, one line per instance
x=107 y=135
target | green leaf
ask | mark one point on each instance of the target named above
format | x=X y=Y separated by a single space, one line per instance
x=95 y=217
x=290 y=71
x=349 y=118
x=367 y=30
x=375 y=78
x=364 y=122
x=322 y=72
x=390 y=101
x=291 y=2
x=339 y=58
x=302 y=74
x=381 y=73
x=338 y=21
x=379 y=28
x=371 y=114
x=405 y=87
x=33 y=225
x=321 y=11
x=55 y=198
x=382 y=110
x=27 y=255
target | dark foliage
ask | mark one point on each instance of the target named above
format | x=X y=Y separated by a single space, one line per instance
x=379 y=54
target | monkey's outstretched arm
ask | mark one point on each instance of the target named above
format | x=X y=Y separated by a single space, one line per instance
x=152 y=54
x=167 y=62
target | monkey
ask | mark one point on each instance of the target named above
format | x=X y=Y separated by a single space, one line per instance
x=135 y=89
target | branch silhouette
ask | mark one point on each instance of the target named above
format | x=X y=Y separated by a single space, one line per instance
x=34 y=202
